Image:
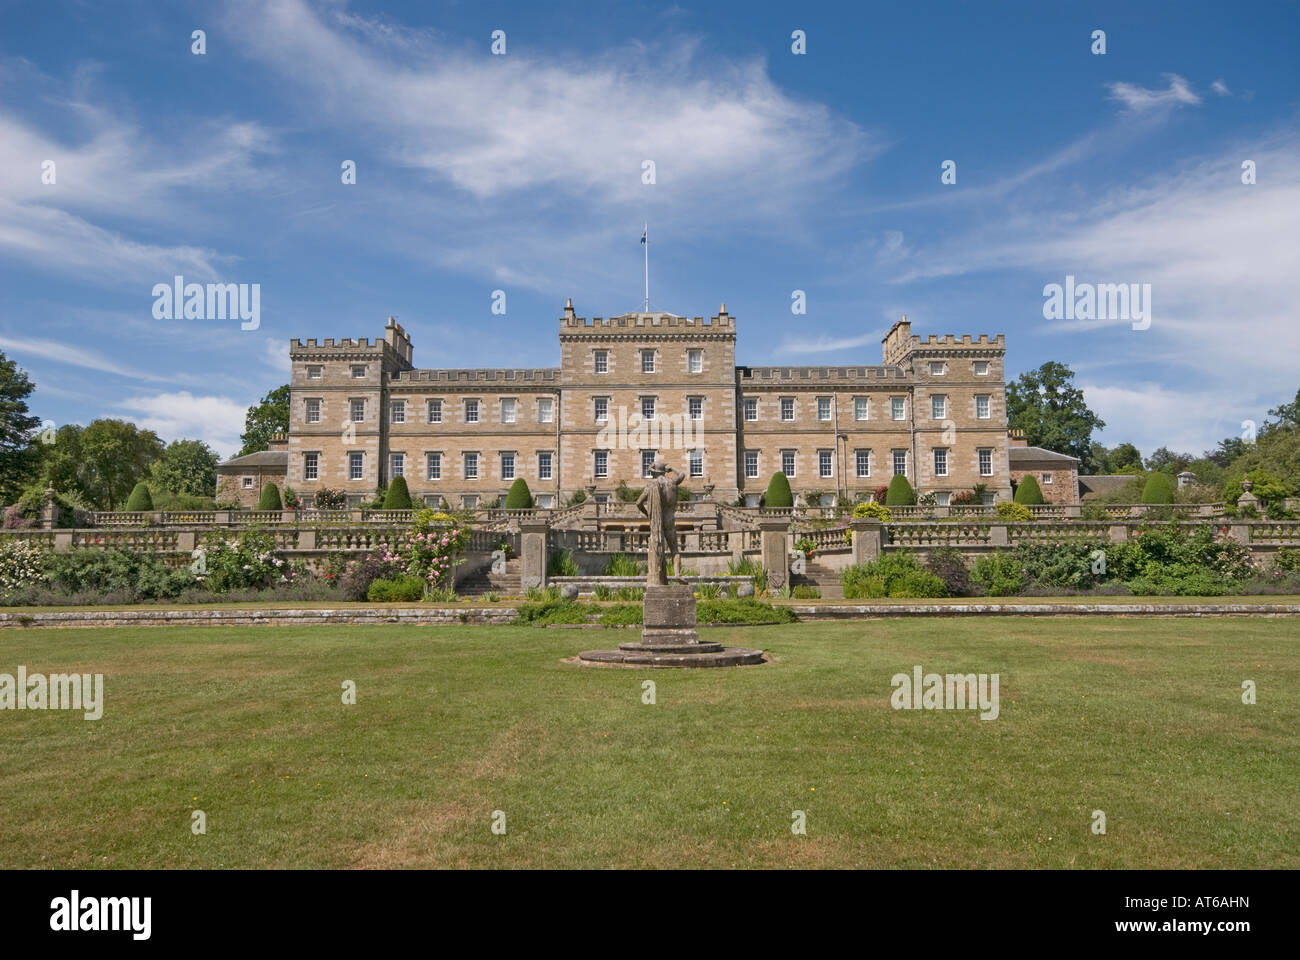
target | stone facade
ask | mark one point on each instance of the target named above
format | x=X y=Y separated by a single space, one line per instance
x=639 y=386
x=240 y=481
x=1057 y=473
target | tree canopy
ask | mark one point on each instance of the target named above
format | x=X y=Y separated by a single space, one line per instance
x=1051 y=411
x=264 y=420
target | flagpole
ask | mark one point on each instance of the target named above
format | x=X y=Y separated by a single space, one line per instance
x=645 y=238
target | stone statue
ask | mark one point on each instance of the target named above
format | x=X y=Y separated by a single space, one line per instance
x=660 y=494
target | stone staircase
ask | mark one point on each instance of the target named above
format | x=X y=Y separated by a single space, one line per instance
x=823 y=578
x=482 y=581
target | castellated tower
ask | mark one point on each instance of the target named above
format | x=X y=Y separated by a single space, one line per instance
x=338 y=423
x=645 y=386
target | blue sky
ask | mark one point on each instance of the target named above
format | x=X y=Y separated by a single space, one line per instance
x=775 y=172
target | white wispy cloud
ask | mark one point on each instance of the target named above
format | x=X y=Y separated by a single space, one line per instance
x=1137 y=99
x=60 y=351
x=534 y=163
x=218 y=421
x=1221 y=88
x=1218 y=255
x=827 y=344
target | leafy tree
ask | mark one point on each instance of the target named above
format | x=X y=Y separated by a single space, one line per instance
x=140 y=498
x=100 y=462
x=1169 y=462
x=186 y=466
x=18 y=459
x=397 y=497
x=1028 y=492
x=519 y=497
x=778 y=492
x=1124 y=458
x=1288 y=416
x=1051 y=411
x=900 y=492
x=1228 y=450
x=265 y=420
x=270 y=498
x=1159 y=489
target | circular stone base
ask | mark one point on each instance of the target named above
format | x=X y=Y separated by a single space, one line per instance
x=654 y=656
x=641 y=646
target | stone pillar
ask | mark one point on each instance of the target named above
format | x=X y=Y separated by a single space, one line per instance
x=185 y=541
x=1240 y=532
x=532 y=552
x=307 y=539
x=63 y=540
x=868 y=540
x=222 y=518
x=776 y=550
x=998 y=535
x=1118 y=533
x=1073 y=511
x=49 y=511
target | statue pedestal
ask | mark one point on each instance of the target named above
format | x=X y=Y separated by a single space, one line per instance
x=669 y=639
x=669 y=615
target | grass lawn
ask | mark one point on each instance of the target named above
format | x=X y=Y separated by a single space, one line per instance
x=1142 y=719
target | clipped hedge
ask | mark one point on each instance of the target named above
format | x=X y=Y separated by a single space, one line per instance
x=778 y=492
x=900 y=492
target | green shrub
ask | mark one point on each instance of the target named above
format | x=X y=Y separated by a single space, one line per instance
x=562 y=564
x=1061 y=565
x=918 y=584
x=900 y=492
x=1159 y=489
x=708 y=591
x=621 y=565
x=868 y=581
x=578 y=497
x=623 y=615
x=270 y=498
x=1287 y=559
x=627 y=494
x=1094 y=512
x=859 y=586
x=542 y=594
x=803 y=592
x=871 y=511
x=552 y=611
x=22 y=565
x=140 y=499
x=998 y=574
x=402 y=588
x=778 y=492
x=948 y=564
x=1013 y=512
x=1028 y=491
x=398 y=496
x=742 y=610
x=134 y=576
x=630 y=593
x=519 y=496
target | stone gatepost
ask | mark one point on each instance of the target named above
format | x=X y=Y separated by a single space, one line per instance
x=776 y=550
x=532 y=553
x=49 y=511
x=868 y=540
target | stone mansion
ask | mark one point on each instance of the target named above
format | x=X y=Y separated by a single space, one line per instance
x=635 y=388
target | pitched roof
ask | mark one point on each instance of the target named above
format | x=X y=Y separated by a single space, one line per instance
x=1095 y=485
x=262 y=458
x=1036 y=455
